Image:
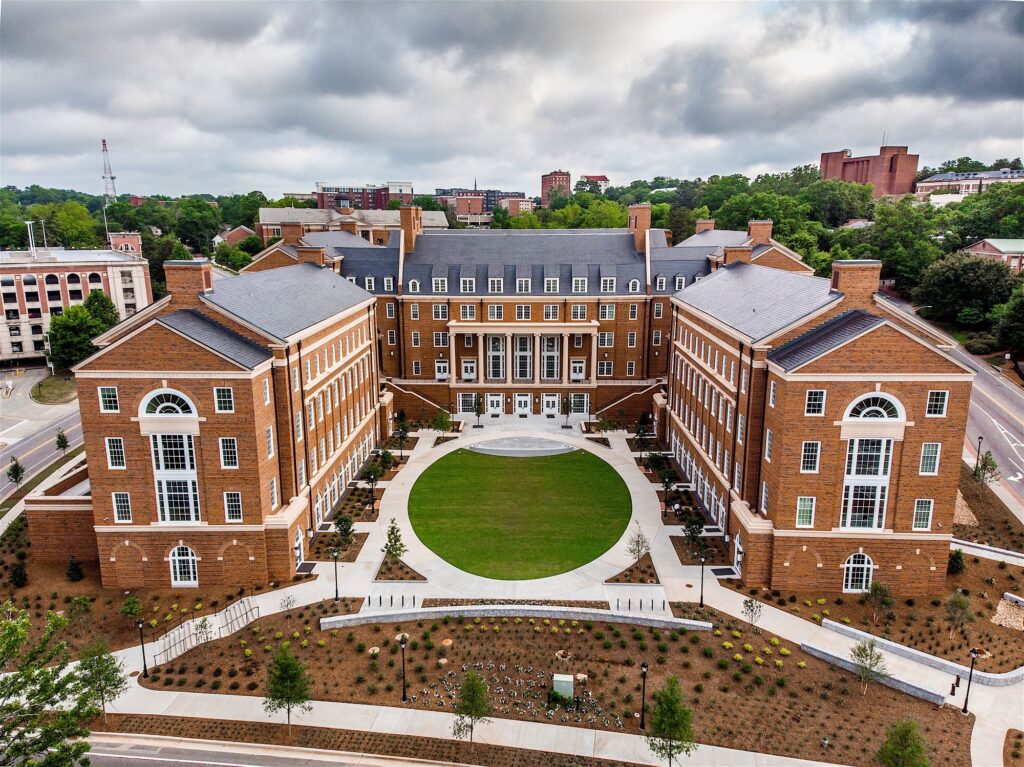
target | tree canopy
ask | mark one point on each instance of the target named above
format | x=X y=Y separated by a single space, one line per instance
x=71 y=335
x=960 y=281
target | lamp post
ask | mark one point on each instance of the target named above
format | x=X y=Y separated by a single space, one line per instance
x=142 y=645
x=702 y=581
x=401 y=643
x=977 y=460
x=974 y=656
x=643 y=695
x=334 y=554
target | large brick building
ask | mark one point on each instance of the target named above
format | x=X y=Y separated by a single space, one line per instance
x=365 y=197
x=556 y=181
x=822 y=427
x=372 y=225
x=239 y=412
x=892 y=171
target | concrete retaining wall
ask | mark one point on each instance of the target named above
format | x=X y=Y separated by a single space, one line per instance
x=980 y=677
x=987 y=552
x=519 y=611
x=1013 y=598
x=894 y=682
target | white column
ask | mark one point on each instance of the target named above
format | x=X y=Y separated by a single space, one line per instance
x=593 y=358
x=565 y=359
x=480 y=359
x=536 y=357
x=452 y=363
x=508 y=358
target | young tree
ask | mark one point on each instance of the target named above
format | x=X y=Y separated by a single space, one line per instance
x=752 y=612
x=44 y=700
x=987 y=470
x=869 y=663
x=904 y=746
x=101 y=308
x=642 y=438
x=442 y=421
x=73 y=572
x=393 y=546
x=103 y=674
x=387 y=460
x=343 y=528
x=637 y=544
x=71 y=335
x=288 y=686
x=692 y=532
x=958 y=611
x=403 y=435
x=879 y=598
x=131 y=608
x=473 y=708
x=566 y=407
x=62 y=443
x=15 y=472
x=478 y=408
x=371 y=474
x=667 y=477
x=670 y=728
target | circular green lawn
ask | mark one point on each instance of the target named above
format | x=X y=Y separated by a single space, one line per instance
x=519 y=518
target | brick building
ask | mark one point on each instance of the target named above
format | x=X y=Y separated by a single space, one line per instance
x=366 y=197
x=1008 y=251
x=38 y=283
x=493 y=198
x=372 y=225
x=954 y=187
x=822 y=427
x=516 y=205
x=892 y=171
x=240 y=412
x=559 y=180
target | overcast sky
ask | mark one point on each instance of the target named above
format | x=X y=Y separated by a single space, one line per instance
x=226 y=97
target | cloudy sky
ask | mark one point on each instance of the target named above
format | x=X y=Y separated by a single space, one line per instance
x=226 y=97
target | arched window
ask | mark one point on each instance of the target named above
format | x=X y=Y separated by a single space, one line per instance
x=184 y=571
x=414 y=286
x=874 y=406
x=857 y=573
x=95 y=279
x=51 y=279
x=74 y=279
x=28 y=279
x=634 y=286
x=165 y=402
x=126 y=247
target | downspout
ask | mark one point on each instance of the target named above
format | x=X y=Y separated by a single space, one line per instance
x=371 y=316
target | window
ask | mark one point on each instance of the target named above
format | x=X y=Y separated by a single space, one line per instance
x=771 y=393
x=857 y=573
x=874 y=406
x=415 y=338
x=229 y=453
x=579 y=311
x=522 y=311
x=122 y=507
x=495 y=311
x=658 y=309
x=224 y=400
x=680 y=282
x=863 y=506
x=739 y=427
x=814 y=402
x=233 y=506
x=930 y=458
x=494 y=285
x=768 y=442
x=579 y=284
x=522 y=285
x=656 y=338
x=168 y=403
x=659 y=283
x=368 y=283
x=631 y=339
x=416 y=367
x=273 y=492
x=440 y=311
x=606 y=312
x=467 y=285
x=764 y=498
x=389 y=286
x=743 y=380
x=550 y=284
x=414 y=286
x=805 y=511
x=440 y=340
x=183 y=567
x=298 y=426
x=604 y=368
x=634 y=286
x=607 y=284
x=632 y=311
x=270 y=441
x=108 y=399
x=467 y=312
x=266 y=391
x=414 y=311
x=439 y=285
x=550 y=311
x=115 y=453
x=606 y=340
x=937 y=404
x=392 y=338
x=631 y=368
x=809 y=457
x=923 y=513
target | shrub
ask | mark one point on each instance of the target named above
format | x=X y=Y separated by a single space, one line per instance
x=73 y=572
x=18 y=575
x=956 y=562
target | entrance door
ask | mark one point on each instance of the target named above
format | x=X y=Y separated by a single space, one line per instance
x=523 y=404
x=494 y=404
x=469 y=370
x=738 y=556
x=549 y=404
x=576 y=369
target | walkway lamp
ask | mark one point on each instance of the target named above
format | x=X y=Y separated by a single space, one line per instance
x=401 y=643
x=142 y=645
x=702 y=560
x=334 y=555
x=975 y=652
x=643 y=695
x=977 y=460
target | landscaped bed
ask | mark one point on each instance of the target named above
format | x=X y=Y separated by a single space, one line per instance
x=323 y=543
x=714 y=551
x=783 y=704
x=641 y=571
x=436 y=602
x=996 y=525
x=1013 y=749
x=920 y=622
x=356 y=504
x=392 y=569
x=518 y=518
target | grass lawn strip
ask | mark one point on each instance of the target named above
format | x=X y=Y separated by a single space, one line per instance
x=56 y=389
x=28 y=486
x=519 y=518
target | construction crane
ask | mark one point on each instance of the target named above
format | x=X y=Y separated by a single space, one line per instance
x=109 y=189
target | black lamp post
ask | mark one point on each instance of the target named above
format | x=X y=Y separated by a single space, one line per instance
x=142 y=644
x=702 y=581
x=334 y=553
x=977 y=460
x=401 y=643
x=974 y=656
x=643 y=695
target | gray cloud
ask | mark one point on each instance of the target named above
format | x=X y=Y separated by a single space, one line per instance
x=231 y=96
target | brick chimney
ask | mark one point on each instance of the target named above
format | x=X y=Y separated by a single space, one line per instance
x=759 y=232
x=411 y=217
x=733 y=255
x=639 y=223
x=186 y=280
x=857 y=279
x=705 y=225
x=291 y=232
x=310 y=254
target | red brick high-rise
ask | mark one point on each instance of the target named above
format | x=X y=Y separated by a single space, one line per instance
x=556 y=179
x=891 y=171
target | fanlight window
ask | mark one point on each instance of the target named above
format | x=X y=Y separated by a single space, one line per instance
x=168 y=403
x=875 y=407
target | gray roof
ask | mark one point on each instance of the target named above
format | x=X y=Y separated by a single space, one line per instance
x=824 y=338
x=986 y=175
x=297 y=216
x=281 y=302
x=715 y=238
x=756 y=300
x=337 y=240
x=217 y=337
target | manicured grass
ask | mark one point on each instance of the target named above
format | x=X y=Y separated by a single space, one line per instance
x=55 y=390
x=519 y=518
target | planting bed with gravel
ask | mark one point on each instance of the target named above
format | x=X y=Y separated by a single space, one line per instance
x=788 y=700
x=1013 y=749
x=715 y=552
x=996 y=525
x=392 y=569
x=324 y=543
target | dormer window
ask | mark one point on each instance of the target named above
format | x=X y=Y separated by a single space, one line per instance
x=414 y=286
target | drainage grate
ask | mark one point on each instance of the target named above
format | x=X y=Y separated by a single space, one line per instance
x=305 y=568
x=725 y=572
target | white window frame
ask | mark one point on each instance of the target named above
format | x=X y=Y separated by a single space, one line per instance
x=605 y=339
x=126 y=497
x=108 y=442
x=235 y=494
x=523 y=285
x=440 y=311
x=660 y=283
x=772 y=389
x=578 y=311
x=467 y=312
x=551 y=312
x=945 y=404
x=550 y=284
x=607 y=284
x=495 y=285
x=606 y=311
x=439 y=285
x=467 y=285
x=923 y=505
x=938 y=453
x=659 y=309
x=414 y=286
x=579 y=284
x=217 y=391
x=389 y=286
x=101 y=391
x=604 y=368
x=808 y=404
x=496 y=312
x=222 y=442
x=415 y=338
x=414 y=311
x=269 y=436
x=769 y=443
x=523 y=311
x=802 y=500
x=803 y=457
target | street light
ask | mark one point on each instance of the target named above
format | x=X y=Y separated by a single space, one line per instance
x=142 y=644
x=977 y=460
x=702 y=581
x=974 y=656
x=334 y=553
x=643 y=695
x=401 y=643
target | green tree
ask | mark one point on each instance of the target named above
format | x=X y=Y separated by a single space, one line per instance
x=393 y=545
x=61 y=442
x=692 y=531
x=1010 y=331
x=834 y=202
x=473 y=707
x=958 y=611
x=527 y=220
x=501 y=219
x=903 y=236
x=18 y=575
x=604 y=214
x=998 y=211
x=683 y=222
x=73 y=571
x=102 y=674
x=252 y=244
x=960 y=282
x=44 y=701
x=442 y=421
x=288 y=686
x=402 y=432
x=371 y=475
x=196 y=222
x=131 y=608
x=157 y=251
x=241 y=209
x=71 y=335
x=752 y=612
x=904 y=746
x=231 y=256
x=387 y=460
x=987 y=469
x=75 y=227
x=879 y=598
x=868 y=662
x=718 y=189
x=13 y=233
x=344 y=528
x=670 y=726
x=790 y=182
x=956 y=562
x=99 y=305
x=962 y=165
x=15 y=472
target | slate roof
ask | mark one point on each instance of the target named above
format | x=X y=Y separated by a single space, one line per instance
x=824 y=338
x=337 y=240
x=217 y=337
x=758 y=301
x=281 y=302
x=715 y=238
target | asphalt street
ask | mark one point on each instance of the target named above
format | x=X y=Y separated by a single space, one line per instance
x=38 y=450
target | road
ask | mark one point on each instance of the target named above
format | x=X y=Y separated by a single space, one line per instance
x=38 y=450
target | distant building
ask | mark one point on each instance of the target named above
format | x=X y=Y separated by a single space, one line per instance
x=371 y=225
x=891 y=171
x=366 y=197
x=556 y=179
x=601 y=181
x=516 y=206
x=233 y=236
x=301 y=196
x=492 y=197
x=1010 y=252
x=954 y=187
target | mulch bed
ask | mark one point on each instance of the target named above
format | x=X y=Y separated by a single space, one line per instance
x=715 y=551
x=442 y=440
x=920 y=622
x=1013 y=749
x=355 y=501
x=639 y=572
x=997 y=526
x=435 y=602
x=391 y=443
x=600 y=441
x=351 y=741
x=323 y=543
x=786 y=708
x=392 y=569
